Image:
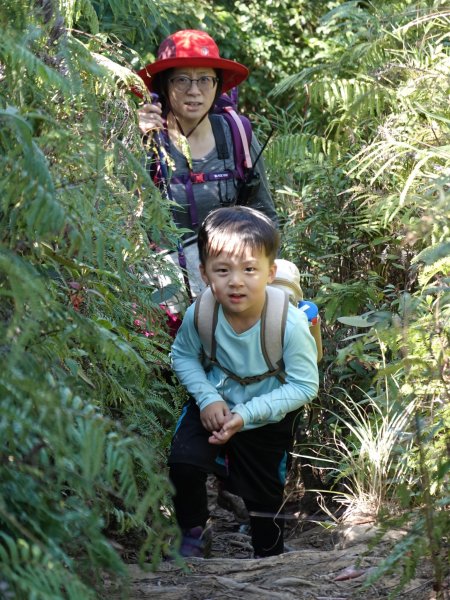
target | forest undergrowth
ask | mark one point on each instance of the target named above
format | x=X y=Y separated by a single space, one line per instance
x=359 y=166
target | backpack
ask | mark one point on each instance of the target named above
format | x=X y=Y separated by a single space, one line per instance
x=244 y=173
x=288 y=279
x=249 y=180
x=241 y=134
x=273 y=324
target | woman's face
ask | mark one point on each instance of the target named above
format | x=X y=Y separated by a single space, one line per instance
x=190 y=100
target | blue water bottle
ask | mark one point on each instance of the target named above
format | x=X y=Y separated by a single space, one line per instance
x=310 y=309
x=312 y=312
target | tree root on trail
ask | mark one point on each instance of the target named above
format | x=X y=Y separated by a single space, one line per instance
x=309 y=573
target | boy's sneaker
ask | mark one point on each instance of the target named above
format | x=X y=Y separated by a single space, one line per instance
x=196 y=542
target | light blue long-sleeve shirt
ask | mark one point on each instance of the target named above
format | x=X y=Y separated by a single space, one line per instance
x=260 y=403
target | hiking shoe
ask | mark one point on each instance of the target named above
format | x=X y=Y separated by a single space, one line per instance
x=196 y=542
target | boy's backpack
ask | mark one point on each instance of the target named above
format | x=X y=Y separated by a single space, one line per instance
x=288 y=279
x=284 y=289
x=273 y=323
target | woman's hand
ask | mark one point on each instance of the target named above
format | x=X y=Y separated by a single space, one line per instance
x=150 y=117
x=231 y=426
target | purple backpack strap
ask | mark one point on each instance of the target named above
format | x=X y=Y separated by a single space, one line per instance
x=241 y=131
x=234 y=96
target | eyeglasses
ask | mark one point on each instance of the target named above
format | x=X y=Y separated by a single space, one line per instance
x=183 y=83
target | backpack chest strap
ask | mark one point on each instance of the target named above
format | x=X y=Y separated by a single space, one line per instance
x=194 y=178
x=191 y=178
x=278 y=372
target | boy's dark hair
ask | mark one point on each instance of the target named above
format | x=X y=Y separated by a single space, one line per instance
x=240 y=226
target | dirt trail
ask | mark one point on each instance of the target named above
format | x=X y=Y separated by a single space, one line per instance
x=323 y=564
x=305 y=574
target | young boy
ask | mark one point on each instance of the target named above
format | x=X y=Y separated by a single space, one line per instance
x=242 y=432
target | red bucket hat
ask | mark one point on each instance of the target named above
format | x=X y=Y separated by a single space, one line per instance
x=193 y=48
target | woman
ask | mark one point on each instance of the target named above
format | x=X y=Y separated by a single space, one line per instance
x=188 y=76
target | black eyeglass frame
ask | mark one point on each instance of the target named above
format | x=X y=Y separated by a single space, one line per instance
x=215 y=80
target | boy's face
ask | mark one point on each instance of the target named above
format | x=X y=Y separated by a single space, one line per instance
x=239 y=282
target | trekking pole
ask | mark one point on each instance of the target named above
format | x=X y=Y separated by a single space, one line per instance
x=297 y=516
x=251 y=180
x=263 y=147
x=168 y=192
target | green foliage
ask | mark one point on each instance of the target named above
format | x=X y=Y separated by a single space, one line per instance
x=35 y=574
x=79 y=378
x=358 y=95
x=429 y=523
x=368 y=226
x=369 y=441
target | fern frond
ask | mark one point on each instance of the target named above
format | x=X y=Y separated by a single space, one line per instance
x=126 y=521
x=120 y=73
x=290 y=151
x=31 y=573
x=350 y=97
x=81 y=9
x=19 y=58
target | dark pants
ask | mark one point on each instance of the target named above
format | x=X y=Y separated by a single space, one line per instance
x=253 y=465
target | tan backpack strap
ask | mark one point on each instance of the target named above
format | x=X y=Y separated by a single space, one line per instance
x=317 y=335
x=205 y=321
x=273 y=326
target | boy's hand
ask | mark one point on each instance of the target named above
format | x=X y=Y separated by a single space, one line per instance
x=215 y=415
x=234 y=424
